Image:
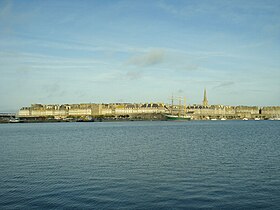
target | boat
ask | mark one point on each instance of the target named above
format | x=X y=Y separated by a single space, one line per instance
x=245 y=118
x=14 y=120
x=177 y=117
x=275 y=118
x=257 y=118
x=180 y=113
x=223 y=118
x=213 y=119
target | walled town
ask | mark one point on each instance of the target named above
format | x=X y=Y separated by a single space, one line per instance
x=145 y=111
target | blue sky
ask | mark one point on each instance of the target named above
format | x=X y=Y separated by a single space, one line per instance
x=139 y=51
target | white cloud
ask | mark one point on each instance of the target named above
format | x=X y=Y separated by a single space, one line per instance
x=224 y=84
x=149 y=59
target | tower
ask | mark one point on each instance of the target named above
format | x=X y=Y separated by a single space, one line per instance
x=205 y=101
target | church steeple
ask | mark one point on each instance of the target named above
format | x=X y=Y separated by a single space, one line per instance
x=205 y=101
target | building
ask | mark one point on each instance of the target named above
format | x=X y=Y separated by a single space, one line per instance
x=205 y=101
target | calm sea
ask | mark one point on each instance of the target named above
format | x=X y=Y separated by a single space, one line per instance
x=140 y=165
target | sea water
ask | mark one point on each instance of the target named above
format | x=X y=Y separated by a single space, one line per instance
x=140 y=165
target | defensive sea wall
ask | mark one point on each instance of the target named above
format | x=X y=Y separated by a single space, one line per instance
x=154 y=110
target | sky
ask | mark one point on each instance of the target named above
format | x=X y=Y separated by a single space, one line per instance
x=71 y=51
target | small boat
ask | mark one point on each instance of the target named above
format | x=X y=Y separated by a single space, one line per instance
x=245 y=118
x=223 y=118
x=213 y=119
x=14 y=120
x=275 y=118
x=257 y=118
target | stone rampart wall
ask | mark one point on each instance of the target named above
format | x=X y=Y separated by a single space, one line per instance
x=38 y=110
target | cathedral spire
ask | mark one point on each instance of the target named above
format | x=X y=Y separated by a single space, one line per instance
x=205 y=101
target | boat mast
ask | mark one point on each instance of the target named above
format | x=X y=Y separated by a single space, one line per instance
x=180 y=106
x=172 y=103
x=185 y=106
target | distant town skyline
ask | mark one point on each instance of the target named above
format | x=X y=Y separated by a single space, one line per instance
x=57 y=52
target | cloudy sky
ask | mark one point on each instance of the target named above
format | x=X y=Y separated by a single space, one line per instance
x=139 y=51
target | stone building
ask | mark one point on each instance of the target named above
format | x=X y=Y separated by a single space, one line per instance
x=80 y=110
